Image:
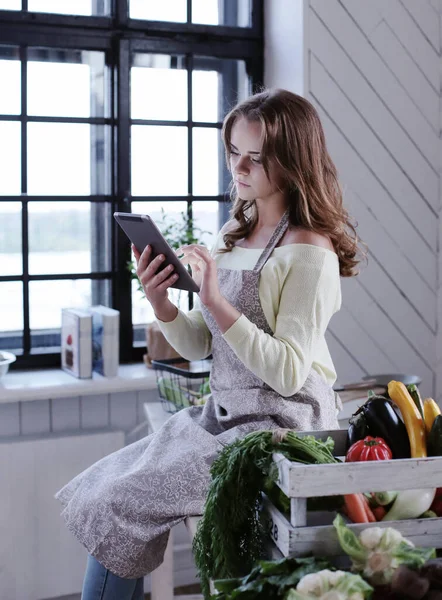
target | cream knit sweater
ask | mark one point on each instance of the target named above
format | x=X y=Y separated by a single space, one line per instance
x=300 y=291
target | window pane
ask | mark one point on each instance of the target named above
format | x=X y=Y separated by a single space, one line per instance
x=68 y=159
x=10 y=4
x=58 y=89
x=173 y=209
x=10 y=163
x=205 y=218
x=159 y=160
x=10 y=77
x=234 y=13
x=244 y=14
x=47 y=298
x=11 y=306
x=217 y=85
x=206 y=12
x=70 y=7
x=152 y=10
x=159 y=88
x=206 y=143
x=10 y=238
x=46 y=333
x=67 y=83
x=68 y=237
x=205 y=96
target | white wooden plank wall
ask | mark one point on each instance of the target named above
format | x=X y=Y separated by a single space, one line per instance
x=438 y=4
x=373 y=73
x=83 y=430
x=39 y=557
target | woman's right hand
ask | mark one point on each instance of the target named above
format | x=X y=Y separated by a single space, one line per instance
x=154 y=285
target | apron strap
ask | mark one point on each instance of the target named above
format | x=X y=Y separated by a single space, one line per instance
x=280 y=230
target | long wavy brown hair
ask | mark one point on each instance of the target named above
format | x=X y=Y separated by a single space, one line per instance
x=294 y=141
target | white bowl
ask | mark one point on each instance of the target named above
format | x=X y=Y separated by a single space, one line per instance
x=6 y=359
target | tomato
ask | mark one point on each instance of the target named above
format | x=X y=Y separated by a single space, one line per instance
x=370 y=448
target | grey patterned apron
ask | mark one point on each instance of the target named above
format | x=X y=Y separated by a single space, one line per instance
x=123 y=506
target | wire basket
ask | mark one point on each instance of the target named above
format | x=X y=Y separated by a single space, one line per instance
x=182 y=383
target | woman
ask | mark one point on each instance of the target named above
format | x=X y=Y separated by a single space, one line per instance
x=267 y=293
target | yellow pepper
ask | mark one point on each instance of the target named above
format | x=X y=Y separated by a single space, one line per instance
x=431 y=410
x=413 y=421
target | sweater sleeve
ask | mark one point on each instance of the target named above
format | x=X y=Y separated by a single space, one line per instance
x=188 y=333
x=307 y=302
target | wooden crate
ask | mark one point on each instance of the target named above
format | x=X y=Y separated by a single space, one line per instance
x=306 y=532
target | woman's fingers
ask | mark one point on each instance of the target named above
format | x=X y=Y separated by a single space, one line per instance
x=150 y=272
x=147 y=268
x=204 y=254
x=167 y=282
x=195 y=254
x=143 y=259
x=199 y=258
x=192 y=260
x=136 y=253
x=161 y=276
x=189 y=248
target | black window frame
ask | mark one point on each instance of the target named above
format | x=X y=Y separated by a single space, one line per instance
x=118 y=37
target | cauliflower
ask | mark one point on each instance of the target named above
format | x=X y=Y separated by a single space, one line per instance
x=378 y=552
x=330 y=585
x=380 y=562
x=370 y=538
x=318 y=583
x=392 y=538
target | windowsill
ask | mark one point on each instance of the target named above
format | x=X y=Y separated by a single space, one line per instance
x=17 y=386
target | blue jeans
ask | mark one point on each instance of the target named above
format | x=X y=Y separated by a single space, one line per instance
x=100 y=584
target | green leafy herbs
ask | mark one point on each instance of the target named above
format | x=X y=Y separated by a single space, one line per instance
x=230 y=536
x=269 y=580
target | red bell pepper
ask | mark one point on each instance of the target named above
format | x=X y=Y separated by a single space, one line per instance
x=370 y=448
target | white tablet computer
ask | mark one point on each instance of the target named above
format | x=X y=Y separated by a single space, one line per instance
x=142 y=231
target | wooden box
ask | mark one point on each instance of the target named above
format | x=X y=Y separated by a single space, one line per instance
x=309 y=532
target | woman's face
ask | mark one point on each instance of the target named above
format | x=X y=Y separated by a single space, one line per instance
x=245 y=162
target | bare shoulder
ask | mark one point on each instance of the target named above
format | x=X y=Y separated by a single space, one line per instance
x=297 y=235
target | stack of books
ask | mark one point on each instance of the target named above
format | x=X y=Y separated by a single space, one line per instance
x=90 y=341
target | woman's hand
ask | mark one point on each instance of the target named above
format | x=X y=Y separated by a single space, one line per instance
x=155 y=286
x=204 y=272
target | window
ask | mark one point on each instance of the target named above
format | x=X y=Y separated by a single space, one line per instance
x=203 y=12
x=105 y=115
x=61 y=7
x=57 y=145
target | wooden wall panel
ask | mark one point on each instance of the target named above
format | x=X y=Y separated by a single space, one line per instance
x=374 y=74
